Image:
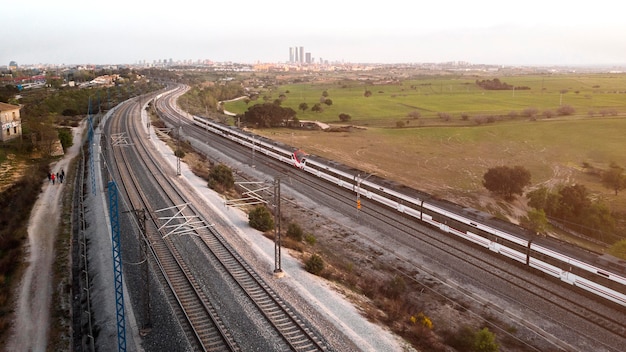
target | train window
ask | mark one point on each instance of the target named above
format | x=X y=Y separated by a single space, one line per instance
x=473 y=224
x=603 y=273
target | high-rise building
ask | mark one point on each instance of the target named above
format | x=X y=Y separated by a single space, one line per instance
x=301 y=54
x=291 y=57
x=296 y=57
x=308 y=58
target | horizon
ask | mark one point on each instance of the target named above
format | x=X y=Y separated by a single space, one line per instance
x=483 y=32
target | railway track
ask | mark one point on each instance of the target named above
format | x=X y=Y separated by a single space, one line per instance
x=602 y=319
x=208 y=328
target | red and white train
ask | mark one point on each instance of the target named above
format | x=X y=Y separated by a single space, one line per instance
x=603 y=276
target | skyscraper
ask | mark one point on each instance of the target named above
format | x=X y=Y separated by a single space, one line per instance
x=301 y=54
x=291 y=57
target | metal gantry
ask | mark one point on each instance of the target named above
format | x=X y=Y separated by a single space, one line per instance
x=188 y=225
x=117 y=266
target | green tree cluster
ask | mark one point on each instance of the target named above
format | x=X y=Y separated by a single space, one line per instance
x=267 y=115
x=614 y=178
x=506 y=181
x=572 y=205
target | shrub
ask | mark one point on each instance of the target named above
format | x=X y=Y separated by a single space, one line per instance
x=179 y=153
x=310 y=239
x=422 y=319
x=415 y=114
x=484 y=341
x=396 y=287
x=221 y=176
x=565 y=110
x=66 y=138
x=294 y=231
x=315 y=264
x=261 y=219
x=400 y=124
x=344 y=117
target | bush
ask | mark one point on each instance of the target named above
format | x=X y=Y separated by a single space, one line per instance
x=179 y=153
x=66 y=138
x=221 y=175
x=343 y=117
x=396 y=287
x=310 y=239
x=295 y=232
x=261 y=219
x=315 y=264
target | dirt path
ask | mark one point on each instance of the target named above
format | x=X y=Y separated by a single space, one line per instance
x=32 y=311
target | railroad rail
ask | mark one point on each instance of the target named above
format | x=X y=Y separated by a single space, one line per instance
x=208 y=327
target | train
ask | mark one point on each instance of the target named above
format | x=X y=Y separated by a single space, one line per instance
x=603 y=276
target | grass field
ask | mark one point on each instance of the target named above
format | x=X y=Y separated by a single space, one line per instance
x=448 y=158
x=392 y=102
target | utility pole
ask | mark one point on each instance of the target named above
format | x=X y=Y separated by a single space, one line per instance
x=145 y=294
x=180 y=128
x=278 y=271
x=358 y=192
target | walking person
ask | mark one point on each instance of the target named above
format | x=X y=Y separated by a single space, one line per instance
x=49 y=177
x=52 y=177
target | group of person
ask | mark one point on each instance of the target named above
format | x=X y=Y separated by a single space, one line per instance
x=59 y=176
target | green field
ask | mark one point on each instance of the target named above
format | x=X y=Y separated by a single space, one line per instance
x=448 y=158
x=389 y=103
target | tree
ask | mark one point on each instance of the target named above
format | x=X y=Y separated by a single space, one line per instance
x=565 y=110
x=328 y=102
x=614 y=178
x=344 y=117
x=268 y=115
x=506 y=181
x=367 y=94
x=543 y=199
x=573 y=202
x=535 y=220
x=303 y=106
x=325 y=94
x=261 y=219
x=317 y=108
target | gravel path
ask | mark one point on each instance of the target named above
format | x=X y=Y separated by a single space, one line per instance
x=32 y=311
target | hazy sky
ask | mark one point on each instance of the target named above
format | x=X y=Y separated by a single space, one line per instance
x=532 y=32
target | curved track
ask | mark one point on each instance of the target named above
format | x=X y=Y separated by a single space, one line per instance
x=599 y=317
x=148 y=186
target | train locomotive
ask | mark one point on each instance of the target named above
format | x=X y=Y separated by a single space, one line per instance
x=579 y=269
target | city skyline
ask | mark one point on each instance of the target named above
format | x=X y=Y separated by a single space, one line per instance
x=483 y=32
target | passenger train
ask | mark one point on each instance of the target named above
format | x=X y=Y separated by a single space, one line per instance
x=606 y=278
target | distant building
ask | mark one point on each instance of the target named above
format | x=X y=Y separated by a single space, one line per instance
x=12 y=65
x=301 y=54
x=291 y=57
x=11 y=121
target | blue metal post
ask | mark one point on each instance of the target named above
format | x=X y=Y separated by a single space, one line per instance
x=91 y=154
x=117 y=266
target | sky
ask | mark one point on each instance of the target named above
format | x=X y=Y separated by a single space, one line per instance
x=532 y=32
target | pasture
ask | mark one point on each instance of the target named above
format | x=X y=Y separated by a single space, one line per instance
x=448 y=158
x=589 y=95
